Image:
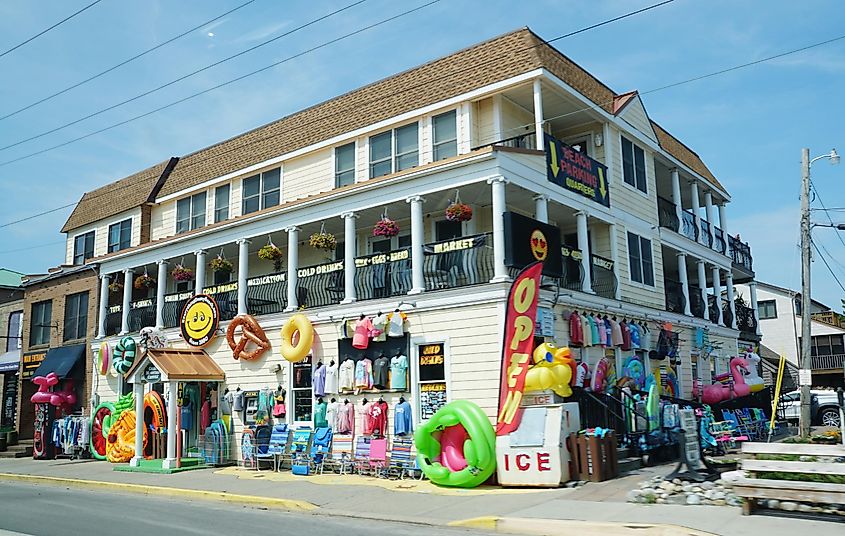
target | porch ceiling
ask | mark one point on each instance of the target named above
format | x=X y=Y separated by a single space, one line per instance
x=560 y=110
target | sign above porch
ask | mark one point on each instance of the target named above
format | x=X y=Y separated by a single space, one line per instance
x=576 y=171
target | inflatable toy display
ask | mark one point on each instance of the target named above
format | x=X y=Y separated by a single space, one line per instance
x=152 y=338
x=155 y=417
x=653 y=408
x=124 y=355
x=99 y=431
x=719 y=392
x=670 y=384
x=104 y=359
x=752 y=376
x=457 y=446
x=600 y=370
x=251 y=332
x=633 y=368
x=552 y=369
x=64 y=399
x=120 y=443
x=297 y=325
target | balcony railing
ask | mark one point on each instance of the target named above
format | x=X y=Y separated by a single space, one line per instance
x=573 y=272
x=459 y=262
x=320 y=285
x=828 y=362
x=830 y=317
x=523 y=141
x=696 y=302
x=740 y=253
x=142 y=313
x=675 y=301
x=602 y=277
x=706 y=237
x=727 y=315
x=719 y=240
x=688 y=227
x=667 y=214
x=713 y=308
x=745 y=320
x=383 y=275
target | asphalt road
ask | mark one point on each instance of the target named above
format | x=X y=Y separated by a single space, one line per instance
x=47 y=510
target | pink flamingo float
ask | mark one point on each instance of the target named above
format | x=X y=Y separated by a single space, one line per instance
x=719 y=392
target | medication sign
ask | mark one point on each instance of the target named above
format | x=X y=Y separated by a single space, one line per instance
x=576 y=171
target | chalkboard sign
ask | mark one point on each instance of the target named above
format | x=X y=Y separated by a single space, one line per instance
x=10 y=400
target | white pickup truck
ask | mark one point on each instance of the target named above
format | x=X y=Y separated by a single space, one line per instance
x=825 y=406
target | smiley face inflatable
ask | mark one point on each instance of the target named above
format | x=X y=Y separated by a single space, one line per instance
x=539 y=245
x=199 y=320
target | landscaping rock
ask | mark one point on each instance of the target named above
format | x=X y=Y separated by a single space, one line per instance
x=789 y=506
x=774 y=504
x=693 y=500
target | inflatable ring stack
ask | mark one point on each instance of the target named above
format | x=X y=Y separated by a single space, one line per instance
x=124 y=355
x=297 y=324
x=103 y=359
x=457 y=446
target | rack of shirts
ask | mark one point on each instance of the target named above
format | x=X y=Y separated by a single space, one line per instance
x=587 y=329
x=71 y=435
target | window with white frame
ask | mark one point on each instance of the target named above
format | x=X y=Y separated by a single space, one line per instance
x=83 y=247
x=344 y=165
x=261 y=191
x=445 y=135
x=633 y=165
x=190 y=213
x=76 y=316
x=221 y=203
x=767 y=309
x=394 y=150
x=640 y=259
x=120 y=235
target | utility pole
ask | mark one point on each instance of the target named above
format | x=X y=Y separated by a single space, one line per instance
x=805 y=359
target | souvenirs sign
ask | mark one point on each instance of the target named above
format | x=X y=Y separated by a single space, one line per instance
x=199 y=320
x=576 y=171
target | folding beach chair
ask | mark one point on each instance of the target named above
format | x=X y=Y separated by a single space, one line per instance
x=400 y=458
x=378 y=457
x=262 y=447
x=362 y=454
x=342 y=459
x=249 y=459
x=300 y=445
x=320 y=447
x=280 y=444
x=741 y=428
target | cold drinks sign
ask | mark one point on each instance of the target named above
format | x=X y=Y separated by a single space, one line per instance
x=576 y=171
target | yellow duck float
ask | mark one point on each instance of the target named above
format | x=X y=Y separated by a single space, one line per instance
x=552 y=369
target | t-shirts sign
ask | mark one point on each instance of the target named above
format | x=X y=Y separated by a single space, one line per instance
x=576 y=171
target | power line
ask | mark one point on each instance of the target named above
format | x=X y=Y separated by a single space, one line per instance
x=42 y=32
x=124 y=62
x=32 y=217
x=181 y=78
x=832 y=258
x=829 y=269
x=833 y=225
x=31 y=247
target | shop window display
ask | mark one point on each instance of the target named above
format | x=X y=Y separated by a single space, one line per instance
x=302 y=397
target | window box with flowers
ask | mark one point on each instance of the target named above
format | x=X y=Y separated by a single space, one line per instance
x=144 y=281
x=180 y=273
x=271 y=252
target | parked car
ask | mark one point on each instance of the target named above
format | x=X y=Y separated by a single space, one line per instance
x=824 y=406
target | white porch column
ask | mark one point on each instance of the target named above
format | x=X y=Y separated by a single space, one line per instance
x=350 y=243
x=498 y=131
x=538 y=114
x=682 y=275
x=614 y=256
x=161 y=285
x=696 y=208
x=729 y=283
x=723 y=222
x=676 y=197
x=717 y=291
x=541 y=208
x=138 y=389
x=708 y=210
x=104 y=306
x=172 y=430
x=127 y=300
x=199 y=279
x=500 y=271
x=752 y=287
x=702 y=288
x=293 y=267
x=584 y=246
x=243 y=270
x=417 y=238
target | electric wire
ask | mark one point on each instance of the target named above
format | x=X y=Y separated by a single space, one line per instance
x=42 y=32
x=124 y=62
x=829 y=269
x=829 y=218
x=183 y=77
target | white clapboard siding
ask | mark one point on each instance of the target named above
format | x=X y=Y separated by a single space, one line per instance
x=308 y=175
x=635 y=115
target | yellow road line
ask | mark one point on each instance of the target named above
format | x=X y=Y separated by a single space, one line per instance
x=542 y=527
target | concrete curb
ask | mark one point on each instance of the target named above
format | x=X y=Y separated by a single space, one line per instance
x=253 y=500
x=545 y=527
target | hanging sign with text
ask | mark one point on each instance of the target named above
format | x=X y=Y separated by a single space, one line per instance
x=576 y=171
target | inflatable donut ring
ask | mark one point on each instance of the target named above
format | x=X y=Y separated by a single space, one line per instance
x=250 y=332
x=154 y=418
x=633 y=368
x=300 y=324
x=457 y=446
x=99 y=431
x=103 y=359
x=124 y=355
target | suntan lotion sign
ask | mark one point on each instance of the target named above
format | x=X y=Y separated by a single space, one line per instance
x=517 y=346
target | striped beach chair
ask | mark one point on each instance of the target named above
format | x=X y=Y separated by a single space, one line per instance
x=400 y=458
x=362 y=455
x=342 y=458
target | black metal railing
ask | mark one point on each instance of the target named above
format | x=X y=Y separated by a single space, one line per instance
x=459 y=262
x=828 y=362
x=719 y=243
x=114 y=319
x=320 y=285
x=727 y=315
x=706 y=237
x=267 y=294
x=688 y=227
x=523 y=141
x=696 y=302
x=142 y=313
x=573 y=271
x=713 y=308
x=740 y=253
x=745 y=320
x=383 y=275
x=602 y=278
x=667 y=214
x=675 y=301
x=173 y=305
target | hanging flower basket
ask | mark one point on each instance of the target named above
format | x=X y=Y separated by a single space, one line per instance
x=271 y=252
x=115 y=286
x=323 y=240
x=144 y=281
x=386 y=227
x=180 y=273
x=459 y=212
x=221 y=264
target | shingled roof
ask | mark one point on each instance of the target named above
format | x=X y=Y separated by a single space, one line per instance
x=127 y=193
x=673 y=146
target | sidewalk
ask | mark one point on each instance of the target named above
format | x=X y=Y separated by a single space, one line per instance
x=422 y=502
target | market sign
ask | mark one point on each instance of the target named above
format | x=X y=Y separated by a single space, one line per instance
x=528 y=240
x=576 y=171
x=517 y=346
x=30 y=363
x=199 y=320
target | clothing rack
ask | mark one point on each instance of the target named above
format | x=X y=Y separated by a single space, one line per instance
x=71 y=435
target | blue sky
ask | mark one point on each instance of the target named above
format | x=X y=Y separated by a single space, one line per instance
x=748 y=125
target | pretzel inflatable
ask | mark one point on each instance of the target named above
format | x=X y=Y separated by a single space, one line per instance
x=250 y=332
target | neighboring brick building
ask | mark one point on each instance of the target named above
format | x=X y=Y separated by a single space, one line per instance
x=60 y=310
x=11 y=313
